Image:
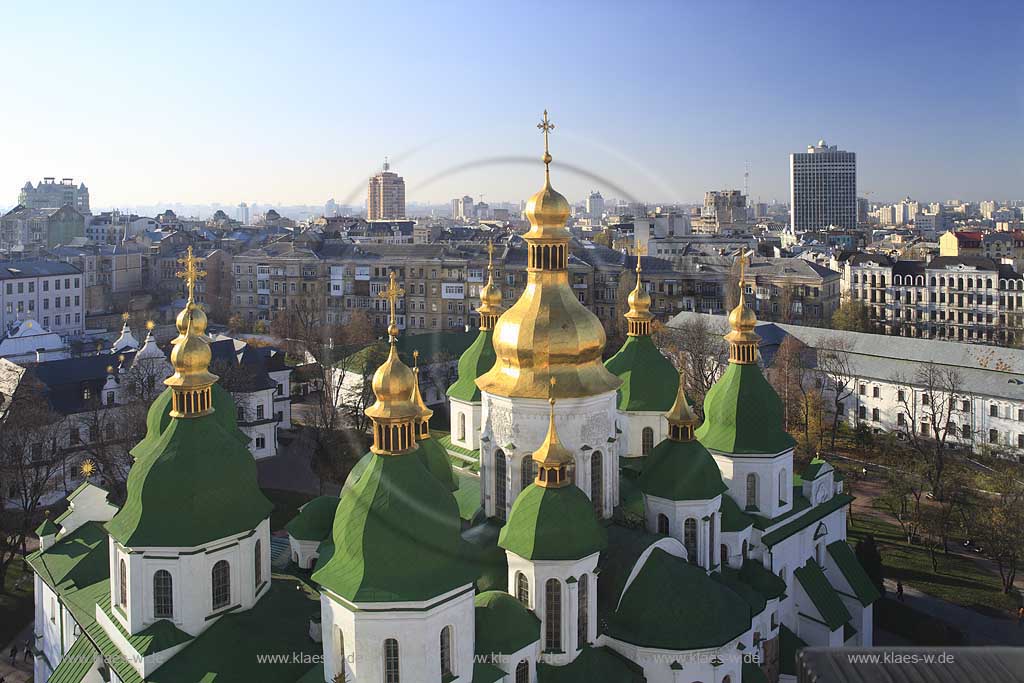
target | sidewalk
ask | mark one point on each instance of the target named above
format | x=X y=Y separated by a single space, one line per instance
x=22 y=670
x=978 y=628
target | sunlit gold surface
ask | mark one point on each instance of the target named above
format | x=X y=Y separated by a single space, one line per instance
x=681 y=413
x=490 y=294
x=191 y=354
x=552 y=458
x=742 y=339
x=393 y=382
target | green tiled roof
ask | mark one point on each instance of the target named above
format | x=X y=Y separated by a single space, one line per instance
x=435 y=458
x=752 y=673
x=76 y=663
x=681 y=470
x=474 y=362
x=503 y=625
x=789 y=644
x=758 y=577
x=157 y=637
x=552 y=524
x=812 y=515
x=485 y=672
x=314 y=675
x=743 y=414
x=625 y=546
x=47 y=528
x=445 y=439
x=820 y=591
x=849 y=631
x=674 y=605
x=394 y=518
x=314 y=521
x=490 y=563
x=734 y=519
x=467 y=495
x=854 y=573
x=75 y=561
x=814 y=469
x=800 y=503
x=193 y=484
x=593 y=665
x=731 y=577
x=649 y=380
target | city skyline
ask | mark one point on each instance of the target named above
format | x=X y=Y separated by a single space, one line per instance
x=280 y=123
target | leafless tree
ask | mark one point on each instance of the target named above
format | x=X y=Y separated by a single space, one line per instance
x=903 y=494
x=996 y=522
x=836 y=375
x=698 y=347
x=790 y=375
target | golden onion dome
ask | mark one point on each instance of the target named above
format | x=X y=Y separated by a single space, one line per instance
x=393 y=383
x=490 y=296
x=743 y=341
x=191 y=360
x=742 y=319
x=417 y=398
x=547 y=211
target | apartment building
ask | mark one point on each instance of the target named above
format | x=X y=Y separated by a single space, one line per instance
x=50 y=194
x=25 y=230
x=46 y=291
x=963 y=298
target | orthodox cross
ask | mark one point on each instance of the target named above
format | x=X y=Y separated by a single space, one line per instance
x=191 y=273
x=744 y=255
x=391 y=294
x=546 y=127
x=639 y=250
x=490 y=254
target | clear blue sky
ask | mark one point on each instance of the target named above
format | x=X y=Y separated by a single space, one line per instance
x=299 y=102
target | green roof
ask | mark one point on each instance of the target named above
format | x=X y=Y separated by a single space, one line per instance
x=814 y=469
x=731 y=577
x=490 y=563
x=820 y=591
x=485 y=672
x=812 y=515
x=47 y=528
x=681 y=470
x=194 y=484
x=392 y=519
x=503 y=625
x=789 y=644
x=593 y=665
x=552 y=524
x=474 y=362
x=849 y=631
x=468 y=494
x=674 y=605
x=758 y=577
x=76 y=662
x=800 y=503
x=75 y=561
x=157 y=637
x=734 y=519
x=649 y=380
x=743 y=414
x=853 y=572
x=435 y=458
x=752 y=673
x=314 y=521
x=159 y=417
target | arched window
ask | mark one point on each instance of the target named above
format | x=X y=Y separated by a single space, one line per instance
x=744 y=550
x=663 y=525
x=391 y=661
x=522 y=589
x=724 y=553
x=526 y=472
x=711 y=540
x=783 y=486
x=221 y=580
x=446 y=651
x=163 y=598
x=499 y=484
x=257 y=559
x=339 y=649
x=462 y=426
x=597 y=483
x=123 y=580
x=553 y=615
x=782 y=574
x=752 y=490
x=581 y=616
x=646 y=440
x=690 y=539
x=523 y=672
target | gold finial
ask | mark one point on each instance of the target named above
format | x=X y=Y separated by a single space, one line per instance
x=191 y=273
x=150 y=325
x=110 y=369
x=490 y=294
x=742 y=339
x=88 y=468
x=125 y=316
x=392 y=294
x=552 y=458
x=681 y=418
x=490 y=254
x=639 y=317
x=417 y=399
x=546 y=127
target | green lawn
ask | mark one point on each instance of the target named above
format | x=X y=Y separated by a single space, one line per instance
x=959 y=580
x=16 y=606
x=286 y=506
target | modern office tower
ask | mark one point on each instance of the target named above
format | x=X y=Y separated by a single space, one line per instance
x=49 y=194
x=242 y=213
x=823 y=188
x=385 y=196
x=595 y=206
x=463 y=209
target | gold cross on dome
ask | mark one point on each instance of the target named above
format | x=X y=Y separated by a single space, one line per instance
x=125 y=316
x=191 y=273
x=392 y=293
x=546 y=127
x=742 y=258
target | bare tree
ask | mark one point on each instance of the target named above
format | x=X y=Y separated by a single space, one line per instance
x=929 y=406
x=700 y=350
x=903 y=494
x=790 y=374
x=997 y=522
x=836 y=374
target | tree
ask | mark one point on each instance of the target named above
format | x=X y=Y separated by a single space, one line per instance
x=31 y=460
x=789 y=375
x=871 y=560
x=836 y=375
x=700 y=350
x=996 y=523
x=852 y=316
x=929 y=406
x=903 y=494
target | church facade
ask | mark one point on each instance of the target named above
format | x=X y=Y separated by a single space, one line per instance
x=617 y=538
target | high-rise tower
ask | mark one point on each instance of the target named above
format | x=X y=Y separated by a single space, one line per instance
x=385 y=195
x=823 y=188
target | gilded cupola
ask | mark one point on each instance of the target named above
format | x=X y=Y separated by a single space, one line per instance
x=639 y=315
x=681 y=418
x=395 y=413
x=192 y=381
x=552 y=458
x=423 y=429
x=548 y=332
x=490 y=295
x=743 y=341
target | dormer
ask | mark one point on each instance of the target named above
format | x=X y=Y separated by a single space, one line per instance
x=818 y=481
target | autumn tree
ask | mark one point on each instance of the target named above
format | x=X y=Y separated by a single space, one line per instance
x=903 y=494
x=790 y=375
x=699 y=349
x=852 y=316
x=835 y=370
x=996 y=523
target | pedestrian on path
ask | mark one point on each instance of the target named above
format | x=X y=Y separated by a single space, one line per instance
x=14 y=654
x=28 y=651
x=1020 y=616
x=899 y=590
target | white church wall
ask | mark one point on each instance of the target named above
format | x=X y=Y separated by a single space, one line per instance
x=633 y=423
x=465 y=423
x=773 y=475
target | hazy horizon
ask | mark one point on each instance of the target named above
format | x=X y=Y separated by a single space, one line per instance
x=199 y=104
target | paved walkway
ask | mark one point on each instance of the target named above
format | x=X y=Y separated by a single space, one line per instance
x=978 y=628
x=22 y=670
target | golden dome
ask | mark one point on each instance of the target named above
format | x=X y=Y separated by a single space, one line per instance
x=548 y=332
x=490 y=295
x=191 y=360
x=192 y=379
x=681 y=418
x=417 y=398
x=639 y=315
x=393 y=382
x=743 y=341
x=742 y=319
x=193 y=313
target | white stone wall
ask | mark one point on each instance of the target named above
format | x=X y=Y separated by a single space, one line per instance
x=774 y=473
x=633 y=423
x=703 y=512
x=467 y=414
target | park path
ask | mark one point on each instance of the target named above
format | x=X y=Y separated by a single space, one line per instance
x=978 y=628
x=22 y=670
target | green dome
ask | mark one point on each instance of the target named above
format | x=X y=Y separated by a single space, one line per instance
x=504 y=625
x=490 y=563
x=313 y=523
x=394 y=518
x=191 y=483
x=552 y=524
x=649 y=380
x=681 y=470
x=698 y=612
x=159 y=415
x=474 y=362
x=743 y=414
x=435 y=458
